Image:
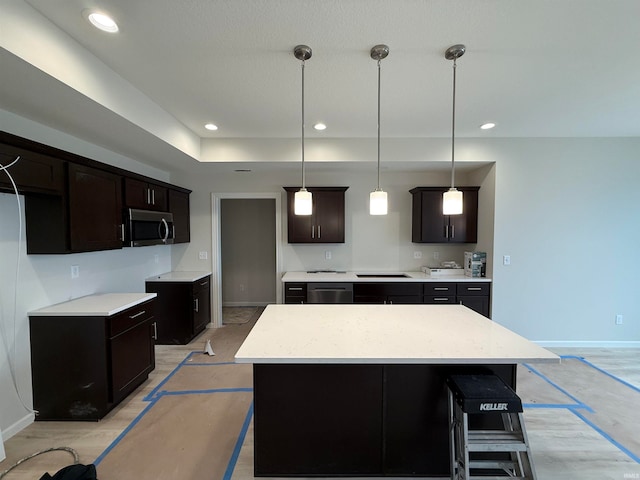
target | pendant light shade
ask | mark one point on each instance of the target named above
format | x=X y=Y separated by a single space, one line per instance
x=303 y=202
x=378 y=204
x=452 y=199
x=452 y=202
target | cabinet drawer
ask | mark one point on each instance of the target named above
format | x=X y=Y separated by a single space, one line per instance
x=295 y=289
x=436 y=299
x=202 y=284
x=123 y=321
x=440 y=288
x=473 y=288
x=386 y=289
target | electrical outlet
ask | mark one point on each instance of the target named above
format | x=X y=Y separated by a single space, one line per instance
x=202 y=255
x=327 y=255
x=618 y=319
x=417 y=254
x=436 y=255
x=241 y=287
x=506 y=259
x=75 y=271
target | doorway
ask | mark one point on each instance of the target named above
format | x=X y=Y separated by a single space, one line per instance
x=246 y=251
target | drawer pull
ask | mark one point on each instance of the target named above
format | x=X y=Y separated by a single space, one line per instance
x=295 y=288
x=137 y=314
x=196 y=305
x=441 y=299
x=475 y=289
x=441 y=289
x=204 y=283
x=155 y=330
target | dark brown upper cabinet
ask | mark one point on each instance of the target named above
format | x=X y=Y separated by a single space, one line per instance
x=179 y=207
x=145 y=195
x=33 y=172
x=326 y=222
x=430 y=225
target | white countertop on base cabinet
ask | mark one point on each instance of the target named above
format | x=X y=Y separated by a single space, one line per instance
x=352 y=277
x=99 y=305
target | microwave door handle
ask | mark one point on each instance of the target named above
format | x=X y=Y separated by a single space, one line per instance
x=166 y=230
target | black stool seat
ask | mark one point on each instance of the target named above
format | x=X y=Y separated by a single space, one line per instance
x=483 y=394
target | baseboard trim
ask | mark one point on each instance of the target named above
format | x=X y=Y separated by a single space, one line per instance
x=588 y=344
x=18 y=426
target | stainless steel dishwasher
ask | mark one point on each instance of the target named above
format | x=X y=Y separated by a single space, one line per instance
x=324 y=292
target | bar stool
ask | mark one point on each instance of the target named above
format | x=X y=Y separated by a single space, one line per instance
x=497 y=454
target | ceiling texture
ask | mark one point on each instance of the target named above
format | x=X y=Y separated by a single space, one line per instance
x=546 y=68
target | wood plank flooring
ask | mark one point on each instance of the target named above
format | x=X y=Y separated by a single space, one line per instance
x=564 y=445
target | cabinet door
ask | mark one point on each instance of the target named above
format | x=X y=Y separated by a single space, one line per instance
x=33 y=173
x=464 y=228
x=179 y=207
x=201 y=305
x=95 y=209
x=476 y=303
x=329 y=216
x=295 y=293
x=298 y=226
x=130 y=359
x=144 y=195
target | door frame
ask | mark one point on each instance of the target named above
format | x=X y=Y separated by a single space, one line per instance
x=216 y=247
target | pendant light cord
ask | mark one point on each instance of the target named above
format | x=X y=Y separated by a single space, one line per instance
x=378 y=125
x=302 y=124
x=453 y=125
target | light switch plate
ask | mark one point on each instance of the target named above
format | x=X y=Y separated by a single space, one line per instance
x=202 y=255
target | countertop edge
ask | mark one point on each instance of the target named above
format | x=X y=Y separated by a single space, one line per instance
x=58 y=310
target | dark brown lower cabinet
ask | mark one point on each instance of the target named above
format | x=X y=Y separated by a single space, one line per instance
x=475 y=295
x=83 y=366
x=184 y=309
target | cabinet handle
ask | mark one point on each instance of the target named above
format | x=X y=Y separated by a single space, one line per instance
x=148 y=196
x=155 y=330
x=446 y=231
x=195 y=305
x=153 y=197
x=441 y=289
x=204 y=283
x=173 y=230
x=319 y=232
x=137 y=314
x=441 y=299
x=313 y=231
x=475 y=289
x=453 y=231
x=122 y=232
x=295 y=288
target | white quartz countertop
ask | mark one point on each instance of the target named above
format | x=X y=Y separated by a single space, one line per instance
x=353 y=277
x=178 y=277
x=401 y=334
x=102 y=305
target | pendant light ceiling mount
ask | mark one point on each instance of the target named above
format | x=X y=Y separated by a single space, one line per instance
x=302 y=52
x=452 y=202
x=378 y=204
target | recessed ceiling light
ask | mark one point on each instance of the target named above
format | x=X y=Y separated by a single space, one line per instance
x=211 y=126
x=320 y=126
x=102 y=21
x=487 y=126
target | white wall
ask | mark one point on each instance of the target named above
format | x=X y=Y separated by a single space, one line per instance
x=45 y=279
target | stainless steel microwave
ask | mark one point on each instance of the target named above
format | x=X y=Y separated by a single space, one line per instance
x=146 y=227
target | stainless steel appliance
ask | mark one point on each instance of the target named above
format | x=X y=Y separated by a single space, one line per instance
x=145 y=227
x=323 y=292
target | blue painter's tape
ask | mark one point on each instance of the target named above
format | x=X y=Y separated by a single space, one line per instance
x=214 y=390
x=555 y=405
x=629 y=453
x=604 y=372
x=559 y=388
x=236 y=451
x=154 y=392
x=124 y=432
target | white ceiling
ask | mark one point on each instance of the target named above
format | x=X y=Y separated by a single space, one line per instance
x=545 y=68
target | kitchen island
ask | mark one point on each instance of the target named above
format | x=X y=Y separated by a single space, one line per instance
x=348 y=390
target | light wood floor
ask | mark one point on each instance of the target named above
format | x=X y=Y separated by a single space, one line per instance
x=564 y=446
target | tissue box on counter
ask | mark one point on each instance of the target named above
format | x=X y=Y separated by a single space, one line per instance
x=475 y=264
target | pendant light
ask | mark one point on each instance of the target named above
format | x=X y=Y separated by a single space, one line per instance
x=303 y=204
x=452 y=199
x=378 y=204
